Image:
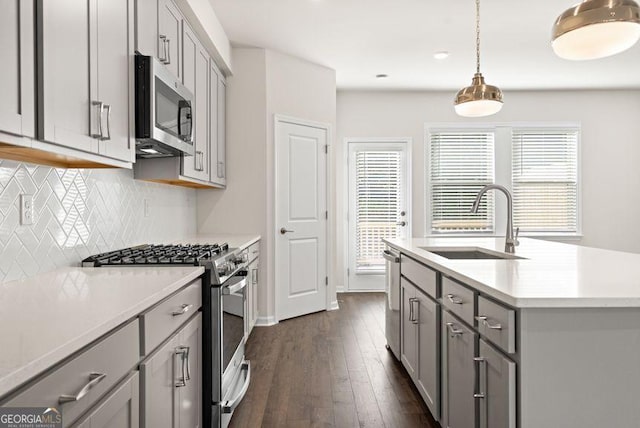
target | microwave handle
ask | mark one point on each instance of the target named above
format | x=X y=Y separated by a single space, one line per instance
x=185 y=105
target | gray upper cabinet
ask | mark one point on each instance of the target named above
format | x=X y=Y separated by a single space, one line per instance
x=196 y=79
x=85 y=97
x=170 y=36
x=221 y=176
x=497 y=388
x=121 y=409
x=458 y=373
x=17 y=104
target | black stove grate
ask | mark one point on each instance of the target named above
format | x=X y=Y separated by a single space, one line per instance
x=158 y=254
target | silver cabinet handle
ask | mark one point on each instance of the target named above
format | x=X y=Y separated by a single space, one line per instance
x=411 y=309
x=230 y=406
x=183 y=310
x=283 y=231
x=94 y=379
x=199 y=161
x=454 y=299
x=415 y=313
x=181 y=351
x=168 y=41
x=480 y=393
x=188 y=364
x=254 y=276
x=163 y=40
x=453 y=331
x=485 y=320
x=389 y=256
x=100 y=106
x=401 y=223
x=108 y=108
x=221 y=171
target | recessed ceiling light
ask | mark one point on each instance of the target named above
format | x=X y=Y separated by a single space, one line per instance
x=381 y=76
x=441 y=55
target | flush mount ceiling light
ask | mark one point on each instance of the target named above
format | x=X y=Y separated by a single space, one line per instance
x=441 y=55
x=479 y=99
x=596 y=29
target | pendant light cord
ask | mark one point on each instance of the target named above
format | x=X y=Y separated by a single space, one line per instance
x=477 y=36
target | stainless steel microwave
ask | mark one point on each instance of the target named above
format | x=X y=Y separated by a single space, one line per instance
x=164 y=120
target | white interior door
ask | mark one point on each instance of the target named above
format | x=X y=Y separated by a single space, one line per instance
x=301 y=219
x=379 y=207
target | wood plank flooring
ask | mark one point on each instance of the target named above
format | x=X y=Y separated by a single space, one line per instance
x=329 y=369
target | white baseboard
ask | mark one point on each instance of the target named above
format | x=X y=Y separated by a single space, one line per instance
x=339 y=288
x=266 y=321
x=334 y=306
x=362 y=291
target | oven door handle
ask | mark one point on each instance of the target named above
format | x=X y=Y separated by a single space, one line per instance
x=230 y=406
x=235 y=286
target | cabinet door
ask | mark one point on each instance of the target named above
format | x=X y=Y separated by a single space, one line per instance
x=190 y=395
x=214 y=76
x=196 y=78
x=114 y=64
x=69 y=116
x=170 y=36
x=428 y=380
x=161 y=373
x=17 y=104
x=119 y=410
x=146 y=27
x=222 y=131
x=409 y=328
x=458 y=373
x=497 y=380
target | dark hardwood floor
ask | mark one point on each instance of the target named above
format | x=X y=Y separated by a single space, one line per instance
x=329 y=369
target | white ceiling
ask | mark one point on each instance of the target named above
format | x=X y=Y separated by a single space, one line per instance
x=362 y=38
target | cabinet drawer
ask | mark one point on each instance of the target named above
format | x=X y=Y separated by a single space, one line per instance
x=458 y=299
x=159 y=322
x=497 y=323
x=94 y=372
x=421 y=276
x=254 y=251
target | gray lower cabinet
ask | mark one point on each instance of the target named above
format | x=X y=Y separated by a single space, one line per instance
x=86 y=76
x=458 y=373
x=121 y=409
x=420 y=342
x=497 y=388
x=172 y=380
x=17 y=104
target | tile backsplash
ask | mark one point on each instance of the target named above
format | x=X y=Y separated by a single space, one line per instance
x=80 y=212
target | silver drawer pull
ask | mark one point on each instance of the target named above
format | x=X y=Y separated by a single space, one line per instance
x=183 y=351
x=94 y=379
x=480 y=394
x=163 y=40
x=454 y=299
x=184 y=310
x=453 y=330
x=485 y=320
x=100 y=106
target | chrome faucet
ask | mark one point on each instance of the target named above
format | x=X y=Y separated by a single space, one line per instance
x=511 y=241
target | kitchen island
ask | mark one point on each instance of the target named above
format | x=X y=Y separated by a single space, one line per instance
x=548 y=339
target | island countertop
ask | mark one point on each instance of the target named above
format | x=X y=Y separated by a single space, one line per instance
x=549 y=275
x=48 y=317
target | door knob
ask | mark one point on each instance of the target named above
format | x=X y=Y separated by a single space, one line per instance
x=402 y=223
x=283 y=231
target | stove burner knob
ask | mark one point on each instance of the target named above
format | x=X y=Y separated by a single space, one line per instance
x=225 y=269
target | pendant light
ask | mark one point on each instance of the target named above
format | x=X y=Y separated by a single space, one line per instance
x=596 y=29
x=479 y=99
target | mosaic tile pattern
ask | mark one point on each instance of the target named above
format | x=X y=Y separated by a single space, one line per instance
x=80 y=212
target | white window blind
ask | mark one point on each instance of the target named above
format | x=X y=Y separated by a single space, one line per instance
x=461 y=163
x=545 y=179
x=378 y=204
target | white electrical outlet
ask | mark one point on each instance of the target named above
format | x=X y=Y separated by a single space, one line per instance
x=26 y=209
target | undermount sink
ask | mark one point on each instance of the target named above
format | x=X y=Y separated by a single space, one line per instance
x=470 y=254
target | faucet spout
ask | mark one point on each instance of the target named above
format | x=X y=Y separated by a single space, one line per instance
x=511 y=239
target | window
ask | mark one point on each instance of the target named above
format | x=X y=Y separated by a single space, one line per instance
x=379 y=200
x=461 y=162
x=545 y=180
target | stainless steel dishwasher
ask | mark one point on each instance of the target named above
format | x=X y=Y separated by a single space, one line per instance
x=392 y=312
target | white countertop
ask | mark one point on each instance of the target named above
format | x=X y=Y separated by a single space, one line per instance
x=552 y=275
x=46 y=318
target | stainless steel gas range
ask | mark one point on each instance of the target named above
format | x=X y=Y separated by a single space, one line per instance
x=226 y=372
